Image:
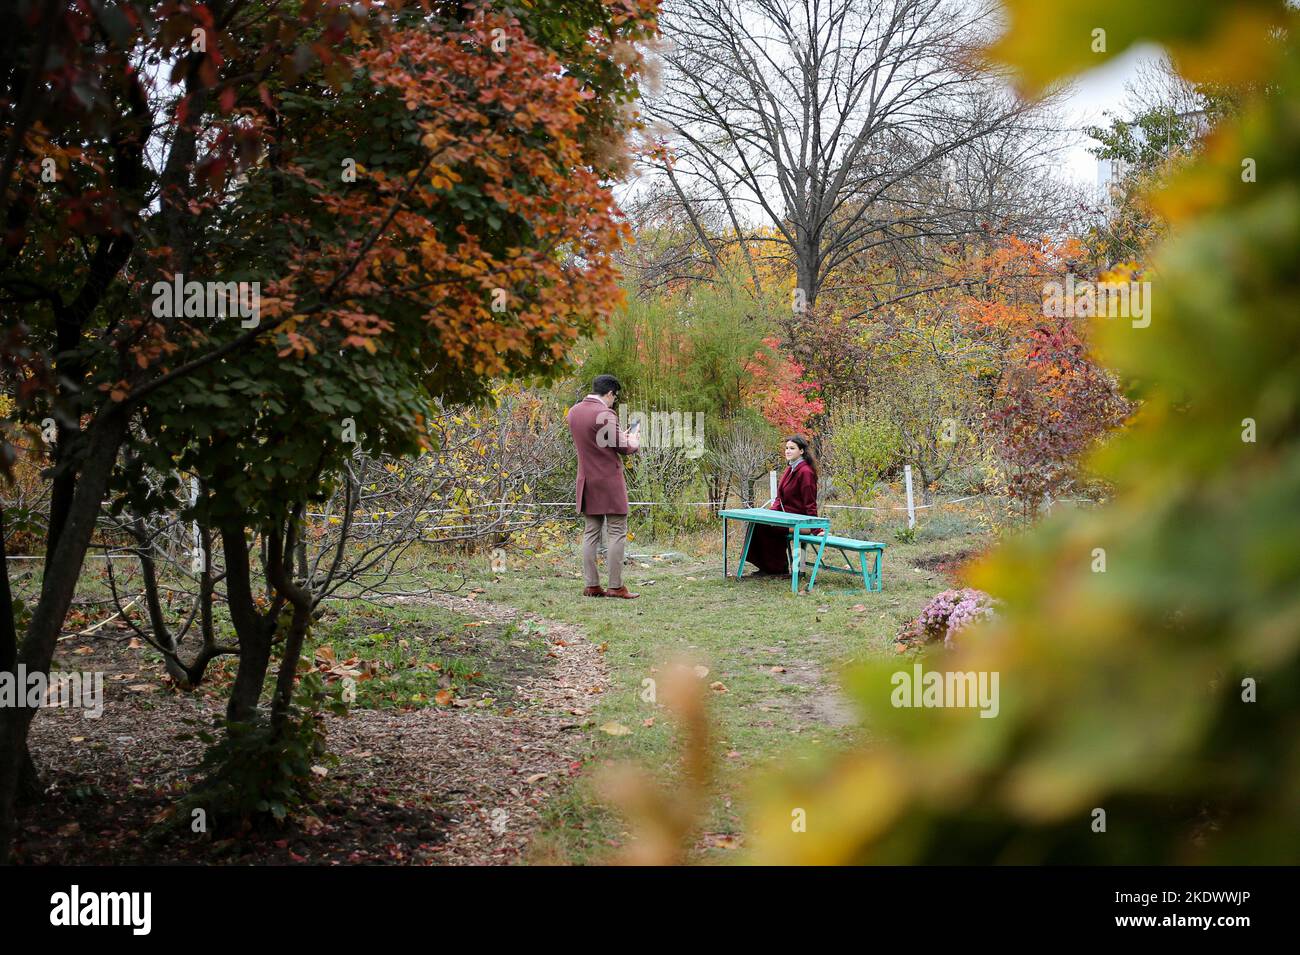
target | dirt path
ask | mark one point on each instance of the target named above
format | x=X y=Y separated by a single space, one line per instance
x=442 y=785
x=490 y=771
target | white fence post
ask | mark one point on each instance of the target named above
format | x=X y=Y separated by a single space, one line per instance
x=771 y=485
x=911 y=507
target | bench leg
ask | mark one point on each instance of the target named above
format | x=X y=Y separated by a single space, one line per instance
x=871 y=580
x=817 y=563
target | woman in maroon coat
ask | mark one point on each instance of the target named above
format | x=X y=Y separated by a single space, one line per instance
x=769 y=548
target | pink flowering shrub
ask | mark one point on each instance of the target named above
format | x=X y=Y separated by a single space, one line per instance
x=948 y=613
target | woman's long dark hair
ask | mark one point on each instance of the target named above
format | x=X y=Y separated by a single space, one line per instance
x=808 y=458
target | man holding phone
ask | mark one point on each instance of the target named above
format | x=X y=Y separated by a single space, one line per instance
x=601 y=491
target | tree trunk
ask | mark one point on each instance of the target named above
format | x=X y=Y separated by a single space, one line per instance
x=806 y=272
x=255 y=630
x=104 y=436
x=925 y=483
x=187 y=675
x=277 y=570
x=29 y=780
x=8 y=632
x=250 y=677
x=157 y=619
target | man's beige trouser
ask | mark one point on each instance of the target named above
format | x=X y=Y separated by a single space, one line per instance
x=617 y=527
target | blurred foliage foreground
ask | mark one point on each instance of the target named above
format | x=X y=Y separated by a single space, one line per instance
x=1149 y=651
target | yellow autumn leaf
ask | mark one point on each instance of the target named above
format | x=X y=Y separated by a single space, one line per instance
x=1047 y=42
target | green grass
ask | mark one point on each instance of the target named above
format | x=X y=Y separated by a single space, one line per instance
x=406 y=655
x=741 y=631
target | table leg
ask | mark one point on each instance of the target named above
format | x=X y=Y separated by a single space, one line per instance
x=724 y=548
x=744 y=552
x=795 y=563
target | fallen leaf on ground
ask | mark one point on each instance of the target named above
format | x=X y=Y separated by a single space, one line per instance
x=614 y=729
x=720 y=840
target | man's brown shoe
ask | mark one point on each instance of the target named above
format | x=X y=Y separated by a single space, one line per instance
x=594 y=592
x=621 y=592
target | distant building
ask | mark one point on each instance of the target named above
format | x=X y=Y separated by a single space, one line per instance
x=1112 y=171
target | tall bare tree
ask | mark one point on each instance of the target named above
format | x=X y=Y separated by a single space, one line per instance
x=828 y=129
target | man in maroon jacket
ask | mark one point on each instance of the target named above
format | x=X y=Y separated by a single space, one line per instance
x=601 y=491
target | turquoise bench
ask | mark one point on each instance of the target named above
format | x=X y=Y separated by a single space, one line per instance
x=846 y=546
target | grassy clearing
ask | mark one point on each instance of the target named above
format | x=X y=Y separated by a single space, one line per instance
x=777 y=655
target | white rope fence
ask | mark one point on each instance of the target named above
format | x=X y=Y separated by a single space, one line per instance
x=88 y=557
x=504 y=506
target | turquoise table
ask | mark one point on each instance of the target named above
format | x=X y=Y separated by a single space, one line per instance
x=799 y=524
